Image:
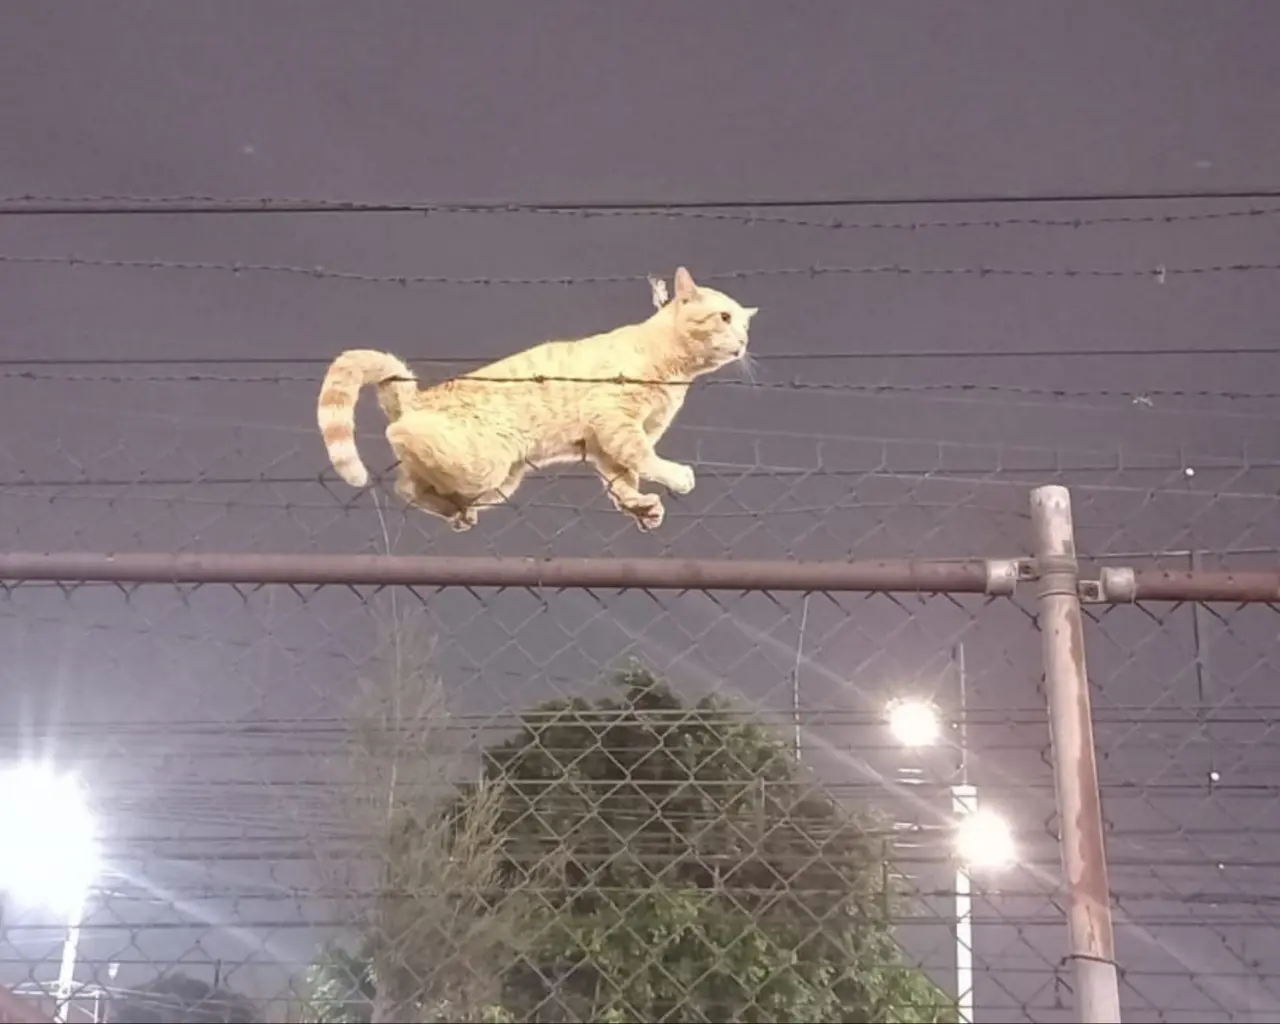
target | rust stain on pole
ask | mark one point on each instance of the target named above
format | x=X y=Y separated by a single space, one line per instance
x=1092 y=883
x=904 y=575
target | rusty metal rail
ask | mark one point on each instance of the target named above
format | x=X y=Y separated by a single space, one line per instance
x=971 y=576
x=1117 y=585
x=999 y=576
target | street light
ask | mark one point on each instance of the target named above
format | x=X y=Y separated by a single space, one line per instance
x=50 y=853
x=914 y=723
x=49 y=856
x=982 y=838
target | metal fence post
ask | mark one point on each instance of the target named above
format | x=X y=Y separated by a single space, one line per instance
x=1084 y=862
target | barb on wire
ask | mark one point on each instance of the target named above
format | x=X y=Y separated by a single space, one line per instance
x=196 y=205
x=1158 y=274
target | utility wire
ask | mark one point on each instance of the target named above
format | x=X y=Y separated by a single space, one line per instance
x=955 y=477
x=1156 y=274
x=1037 y=353
x=199 y=204
x=1138 y=396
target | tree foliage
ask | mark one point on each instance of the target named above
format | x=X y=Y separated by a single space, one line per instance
x=340 y=986
x=685 y=870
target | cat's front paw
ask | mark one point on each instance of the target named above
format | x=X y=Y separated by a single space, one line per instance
x=648 y=512
x=679 y=479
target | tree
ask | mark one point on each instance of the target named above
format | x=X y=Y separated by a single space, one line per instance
x=441 y=931
x=176 y=998
x=340 y=986
x=699 y=878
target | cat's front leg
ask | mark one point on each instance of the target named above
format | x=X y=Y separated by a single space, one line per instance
x=622 y=484
x=626 y=444
x=675 y=476
x=647 y=510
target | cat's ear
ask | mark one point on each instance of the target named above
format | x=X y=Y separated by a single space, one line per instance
x=685 y=288
x=751 y=311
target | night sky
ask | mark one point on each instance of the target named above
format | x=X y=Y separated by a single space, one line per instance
x=158 y=376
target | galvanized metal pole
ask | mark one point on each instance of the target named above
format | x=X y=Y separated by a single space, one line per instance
x=1084 y=863
x=67 y=967
x=795 y=677
x=964 y=801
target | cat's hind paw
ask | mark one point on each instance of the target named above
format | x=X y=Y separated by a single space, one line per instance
x=463 y=520
x=648 y=512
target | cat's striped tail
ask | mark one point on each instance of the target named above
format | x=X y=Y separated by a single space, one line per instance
x=336 y=408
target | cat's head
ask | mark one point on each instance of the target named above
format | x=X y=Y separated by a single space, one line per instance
x=713 y=326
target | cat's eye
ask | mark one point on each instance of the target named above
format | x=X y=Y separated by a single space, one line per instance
x=726 y=317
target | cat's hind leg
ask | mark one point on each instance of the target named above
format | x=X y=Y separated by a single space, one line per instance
x=420 y=495
x=501 y=494
x=460 y=467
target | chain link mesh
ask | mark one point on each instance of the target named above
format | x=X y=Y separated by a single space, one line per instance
x=701 y=812
x=271 y=766
x=1184 y=711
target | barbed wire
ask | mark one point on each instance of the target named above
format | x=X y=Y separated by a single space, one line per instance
x=1114 y=457
x=1144 y=402
x=908 y=354
x=23 y=487
x=852 y=503
x=1158 y=274
x=28 y=205
x=620 y=380
x=578 y=509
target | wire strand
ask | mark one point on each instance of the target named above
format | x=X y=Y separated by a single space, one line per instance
x=1157 y=274
x=267 y=204
x=209 y=205
x=1133 y=395
x=1051 y=353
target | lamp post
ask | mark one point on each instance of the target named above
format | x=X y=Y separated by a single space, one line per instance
x=49 y=856
x=982 y=838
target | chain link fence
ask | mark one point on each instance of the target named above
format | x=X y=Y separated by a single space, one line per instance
x=1185 y=710
x=239 y=845
x=356 y=788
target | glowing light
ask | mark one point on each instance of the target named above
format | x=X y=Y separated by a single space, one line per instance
x=984 y=840
x=49 y=855
x=914 y=723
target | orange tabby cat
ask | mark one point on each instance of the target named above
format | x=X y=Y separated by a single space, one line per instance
x=468 y=442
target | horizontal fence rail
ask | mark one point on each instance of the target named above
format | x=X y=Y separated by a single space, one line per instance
x=956 y=576
x=973 y=576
